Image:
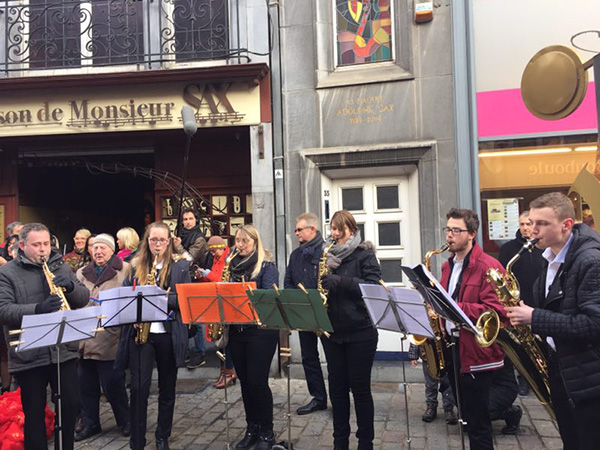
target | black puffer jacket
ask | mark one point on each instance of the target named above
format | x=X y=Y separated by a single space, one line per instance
x=347 y=310
x=22 y=286
x=571 y=314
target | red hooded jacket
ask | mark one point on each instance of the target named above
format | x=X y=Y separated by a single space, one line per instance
x=476 y=295
x=216 y=270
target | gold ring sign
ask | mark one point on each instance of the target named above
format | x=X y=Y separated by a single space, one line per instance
x=554 y=82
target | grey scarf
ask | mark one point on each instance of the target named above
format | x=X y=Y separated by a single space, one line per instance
x=338 y=252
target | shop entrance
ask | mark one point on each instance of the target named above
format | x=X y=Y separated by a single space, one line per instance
x=68 y=190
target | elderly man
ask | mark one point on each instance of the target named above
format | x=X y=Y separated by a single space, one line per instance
x=303 y=268
x=24 y=291
x=73 y=259
x=106 y=271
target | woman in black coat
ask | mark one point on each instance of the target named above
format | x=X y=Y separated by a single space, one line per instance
x=167 y=341
x=251 y=348
x=351 y=348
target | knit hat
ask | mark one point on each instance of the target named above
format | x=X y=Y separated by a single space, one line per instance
x=105 y=239
x=216 y=242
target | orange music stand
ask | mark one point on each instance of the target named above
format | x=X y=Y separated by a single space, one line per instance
x=225 y=303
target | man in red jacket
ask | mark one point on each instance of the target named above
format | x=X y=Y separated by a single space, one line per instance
x=463 y=276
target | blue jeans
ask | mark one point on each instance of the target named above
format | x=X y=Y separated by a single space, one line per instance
x=199 y=341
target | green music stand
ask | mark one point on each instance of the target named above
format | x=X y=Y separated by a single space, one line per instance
x=290 y=309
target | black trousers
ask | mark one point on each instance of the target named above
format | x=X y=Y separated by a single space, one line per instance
x=158 y=349
x=252 y=351
x=475 y=403
x=92 y=375
x=349 y=365
x=312 y=366
x=503 y=390
x=33 y=385
x=578 y=424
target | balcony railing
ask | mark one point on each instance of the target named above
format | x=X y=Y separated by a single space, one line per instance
x=43 y=34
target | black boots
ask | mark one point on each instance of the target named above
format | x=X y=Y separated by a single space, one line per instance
x=430 y=414
x=512 y=416
x=249 y=439
x=265 y=440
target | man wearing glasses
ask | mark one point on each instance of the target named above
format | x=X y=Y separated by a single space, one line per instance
x=304 y=268
x=464 y=277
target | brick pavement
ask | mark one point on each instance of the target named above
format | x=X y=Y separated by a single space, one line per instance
x=199 y=425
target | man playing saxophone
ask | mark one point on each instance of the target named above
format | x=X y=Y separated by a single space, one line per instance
x=463 y=276
x=24 y=290
x=566 y=313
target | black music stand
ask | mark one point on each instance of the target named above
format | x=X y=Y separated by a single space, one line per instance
x=54 y=329
x=443 y=304
x=400 y=310
x=134 y=305
x=290 y=309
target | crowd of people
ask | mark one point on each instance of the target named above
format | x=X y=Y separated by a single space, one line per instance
x=562 y=307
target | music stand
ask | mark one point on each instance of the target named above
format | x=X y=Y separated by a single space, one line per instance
x=134 y=305
x=400 y=310
x=54 y=329
x=223 y=303
x=443 y=304
x=291 y=309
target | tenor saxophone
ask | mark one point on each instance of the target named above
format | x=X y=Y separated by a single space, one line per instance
x=518 y=342
x=143 y=329
x=432 y=350
x=215 y=330
x=324 y=270
x=54 y=289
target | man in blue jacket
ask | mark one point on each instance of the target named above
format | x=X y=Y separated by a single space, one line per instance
x=303 y=268
x=566 y=313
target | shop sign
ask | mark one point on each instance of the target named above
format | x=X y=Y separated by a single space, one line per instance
x=136 y=107
x=503 y=217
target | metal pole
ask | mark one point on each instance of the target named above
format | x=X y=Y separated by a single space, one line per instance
x=408 y=438
x=186 y=158
x=596 y=60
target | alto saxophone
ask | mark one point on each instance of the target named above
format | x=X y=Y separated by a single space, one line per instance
x=215 y=330
x=432 y=350
x=518 y=342
x=54 y=289
x=324 y=270
x=143 y=329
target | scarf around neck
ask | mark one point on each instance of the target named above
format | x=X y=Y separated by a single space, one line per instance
x=243 y=266
x=339 y=252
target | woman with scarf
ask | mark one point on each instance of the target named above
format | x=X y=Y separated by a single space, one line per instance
x=351 y=348
x=251 y=348
x=128 y=241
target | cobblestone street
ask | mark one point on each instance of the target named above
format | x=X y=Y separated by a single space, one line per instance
x=199 y=421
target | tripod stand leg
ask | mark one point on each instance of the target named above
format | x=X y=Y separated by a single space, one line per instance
x=58 y=401
x=287 y=353
x=223 y=358
x=456 y=372
x=408 y=438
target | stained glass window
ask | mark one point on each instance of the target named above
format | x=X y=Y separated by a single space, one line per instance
x=364 y=31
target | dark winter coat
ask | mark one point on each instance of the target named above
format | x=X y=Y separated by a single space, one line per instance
x=526 y=269
x=304 y=265
x=180 y=273
x=346 y=308
x=475 y=296
x=22 y=286
x=570 y=314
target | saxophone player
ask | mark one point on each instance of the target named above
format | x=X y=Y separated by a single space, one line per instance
x=23 y=291
x=463 y=276
x=167 y=342
x=303 y=267
x=566 y=312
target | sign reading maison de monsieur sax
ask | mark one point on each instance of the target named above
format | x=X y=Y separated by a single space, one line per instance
x=126 y=108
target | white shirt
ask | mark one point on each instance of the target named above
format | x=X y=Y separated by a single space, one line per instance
x=454 y=276
x=554 y=263
x=158 y=327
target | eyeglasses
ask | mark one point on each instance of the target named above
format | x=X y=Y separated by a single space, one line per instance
x=298 y=230
x=454 y=231
x=158 y=241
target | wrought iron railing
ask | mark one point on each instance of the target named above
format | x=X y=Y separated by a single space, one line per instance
x=46 y=34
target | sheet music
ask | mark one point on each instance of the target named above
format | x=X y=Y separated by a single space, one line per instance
x=44 y=330
x=119 y=305
x=410 y=316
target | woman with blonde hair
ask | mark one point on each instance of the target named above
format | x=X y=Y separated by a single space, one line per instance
x=252 y=348
x=351 y=348
x=128 y=241
x=167 y=341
